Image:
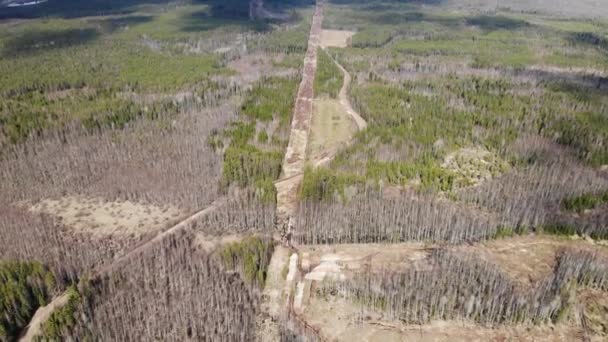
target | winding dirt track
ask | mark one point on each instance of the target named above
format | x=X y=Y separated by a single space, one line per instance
x=345 y=100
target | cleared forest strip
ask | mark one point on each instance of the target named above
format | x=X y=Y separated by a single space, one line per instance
x=274 y=298
x=293 y=163
x=43 y=313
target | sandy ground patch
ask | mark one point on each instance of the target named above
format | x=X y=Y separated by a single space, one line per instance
x=335 y=38
x=102 y=219
x=527 y=259
x=352 y=258
x=342 y=320
x=332 y=128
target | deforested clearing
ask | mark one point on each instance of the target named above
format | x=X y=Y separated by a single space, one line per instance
x=304 y=170
x=336 y=38
x=332 y=128
x=102 y=219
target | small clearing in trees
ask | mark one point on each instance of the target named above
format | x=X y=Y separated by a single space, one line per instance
x=102 y=219
x=342 y=320
x=525 y=258
x=336 y=38
x=332 y=128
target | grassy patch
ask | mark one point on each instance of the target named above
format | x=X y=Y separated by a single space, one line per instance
x=329 y=78
x=62 y=319
x=250 y=256
x=271 y=98
x=323 y=184
x=585 y=202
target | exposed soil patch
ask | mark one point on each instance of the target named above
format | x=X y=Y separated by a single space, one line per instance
x=336 y=38
x=41 y=316
x=353 y=258
x=526 y=259
x=342 y=320
x=103 y=219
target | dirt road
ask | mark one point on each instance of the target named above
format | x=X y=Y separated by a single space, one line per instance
x=345 y=100
x=43 y=313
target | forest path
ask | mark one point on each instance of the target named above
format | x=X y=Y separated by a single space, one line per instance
x=295 y=155
x=334 y=121
x=277 y=295
x=345 y=99
x=267 y=329
x=43 y=313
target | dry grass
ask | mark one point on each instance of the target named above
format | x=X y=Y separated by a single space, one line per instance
x=341 y=320
x=526 y=258
x=104 y=219
x=332 y=128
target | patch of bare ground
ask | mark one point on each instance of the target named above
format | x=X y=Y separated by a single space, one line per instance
x=103 y=219
x=593 y=313
x=526 y=259
x=342 y=261
x=332 y=127
x=42 y=315
x=336 y=38
x=342 y=320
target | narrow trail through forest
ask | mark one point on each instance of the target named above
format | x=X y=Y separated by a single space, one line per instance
x=345 y=99
x=43 y=313
x=279 y=292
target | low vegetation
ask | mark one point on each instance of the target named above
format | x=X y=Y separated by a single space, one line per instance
x=328 y=79
x=248 y=160
x=24 y=287
x=63 y=319
x=411 y=296
x=585 y=202
x=250 y=257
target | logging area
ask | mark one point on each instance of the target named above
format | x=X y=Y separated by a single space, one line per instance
x=300 y=170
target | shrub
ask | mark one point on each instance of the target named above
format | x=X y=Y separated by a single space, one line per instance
x=24 y=286
x=251 y=256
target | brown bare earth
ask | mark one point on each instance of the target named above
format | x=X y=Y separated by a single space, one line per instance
x=41 y=315
x=341 y=320
x=526 y=258
x=102 y=219
x=335 y=38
